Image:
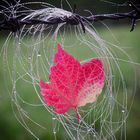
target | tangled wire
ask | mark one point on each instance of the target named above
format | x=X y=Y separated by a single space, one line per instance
x=33 y=51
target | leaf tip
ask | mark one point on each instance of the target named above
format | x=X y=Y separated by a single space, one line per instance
x=41 y=83
x=59 y=46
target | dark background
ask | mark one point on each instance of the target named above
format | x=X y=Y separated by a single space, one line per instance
x=95 y=6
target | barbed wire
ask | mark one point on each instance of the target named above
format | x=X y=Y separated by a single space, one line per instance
x=14 y=23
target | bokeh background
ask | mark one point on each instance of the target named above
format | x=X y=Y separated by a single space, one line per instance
x=10 y=129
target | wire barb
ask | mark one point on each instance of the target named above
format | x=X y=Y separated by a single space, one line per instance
x=14 y=24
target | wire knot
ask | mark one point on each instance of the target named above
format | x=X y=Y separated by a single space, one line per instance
x=76 y=19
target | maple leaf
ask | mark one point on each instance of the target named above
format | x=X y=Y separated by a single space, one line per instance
x=72 y=84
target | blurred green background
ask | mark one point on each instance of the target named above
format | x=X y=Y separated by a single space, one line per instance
x=10 y=129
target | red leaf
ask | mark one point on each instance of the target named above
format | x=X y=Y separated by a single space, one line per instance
x=71 y=84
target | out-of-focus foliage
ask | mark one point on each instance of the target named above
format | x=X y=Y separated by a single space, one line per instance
x=10 y=129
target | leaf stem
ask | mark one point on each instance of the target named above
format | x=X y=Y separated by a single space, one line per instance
x=78 y=116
